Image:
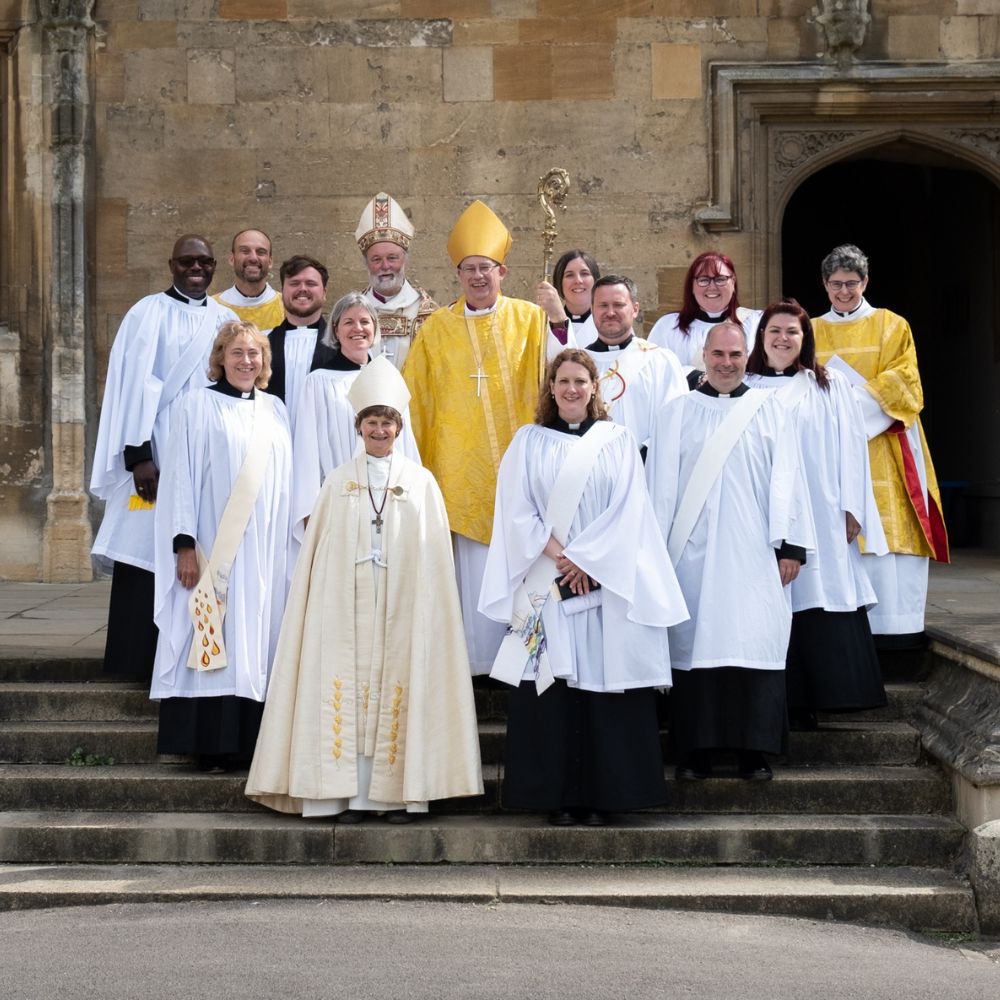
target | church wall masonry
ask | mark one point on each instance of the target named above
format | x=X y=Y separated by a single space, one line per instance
x=211 y=115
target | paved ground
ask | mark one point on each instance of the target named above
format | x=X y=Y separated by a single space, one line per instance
x=71 y=617
x=453 y=950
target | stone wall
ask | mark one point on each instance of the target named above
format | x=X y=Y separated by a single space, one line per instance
x=214 y=115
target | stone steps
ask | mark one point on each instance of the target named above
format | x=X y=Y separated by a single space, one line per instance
x=37 y=740
x=32 y=837
x=179 y=788
x=75 y=702
x=920 y=899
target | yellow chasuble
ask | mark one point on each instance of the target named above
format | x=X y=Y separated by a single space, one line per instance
x=265 y=316
x=880 y=348
x=473 y=382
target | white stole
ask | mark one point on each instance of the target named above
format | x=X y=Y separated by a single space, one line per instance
x=207 y=603
x=712 y=459
x=525 y=634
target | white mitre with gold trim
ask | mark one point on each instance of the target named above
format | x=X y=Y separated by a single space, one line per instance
x=379 y=384
x=383 y=221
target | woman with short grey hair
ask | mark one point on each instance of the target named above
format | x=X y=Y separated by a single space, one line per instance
x=874 y=349
x=325 y=437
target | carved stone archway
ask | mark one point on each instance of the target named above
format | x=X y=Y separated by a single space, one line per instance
x=773 y=126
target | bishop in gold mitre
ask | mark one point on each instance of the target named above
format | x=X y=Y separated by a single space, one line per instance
x=384 y=235
x=474 y=374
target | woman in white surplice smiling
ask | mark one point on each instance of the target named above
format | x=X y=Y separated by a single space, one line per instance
x=579 y=569
x=370 y=708
x=224 y=490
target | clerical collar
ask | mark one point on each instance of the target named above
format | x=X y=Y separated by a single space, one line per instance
x=706 y=317
x=789 y=372
x=339 y=362
x=228 y=389
x=599 y=346
x=852 y=311
x=186 y=299
x=582 y=318
x=470 y=311
x=246 y=296
x=708 y=390
x=558 y=424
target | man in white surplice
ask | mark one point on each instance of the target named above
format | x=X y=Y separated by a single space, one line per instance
x=159 y=355
x=637 y=378
x=297 y=344
x=726 y=485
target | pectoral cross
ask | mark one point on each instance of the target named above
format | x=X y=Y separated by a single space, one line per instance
x=377 y=521
x=479 y=375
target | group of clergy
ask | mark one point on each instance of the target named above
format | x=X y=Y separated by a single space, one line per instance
x=525 y=489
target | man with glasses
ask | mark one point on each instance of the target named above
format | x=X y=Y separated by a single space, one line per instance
x=474 y=374
x=160 y=354
x=384 y=234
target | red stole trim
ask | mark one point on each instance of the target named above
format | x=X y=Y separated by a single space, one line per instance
x=931 y=521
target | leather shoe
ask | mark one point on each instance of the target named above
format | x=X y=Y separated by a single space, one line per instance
x=594 y=818
x=349 y=816
x=695 y=766
x=398 y=817
x=753 y=767
x=561 y=817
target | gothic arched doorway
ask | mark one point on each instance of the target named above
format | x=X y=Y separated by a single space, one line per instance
x=931 y=229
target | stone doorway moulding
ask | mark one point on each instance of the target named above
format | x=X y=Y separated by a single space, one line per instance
x=773 y=126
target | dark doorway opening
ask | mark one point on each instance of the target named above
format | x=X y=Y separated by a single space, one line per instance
x=930 y=227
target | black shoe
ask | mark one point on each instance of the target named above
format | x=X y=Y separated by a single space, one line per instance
x=213 y=763
x=399 y=817
x=695 y=766
x=594 y=817
x=561 y=817
x=753 y=766
x=350 y=816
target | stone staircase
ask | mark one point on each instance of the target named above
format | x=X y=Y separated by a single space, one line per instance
x=856 y=824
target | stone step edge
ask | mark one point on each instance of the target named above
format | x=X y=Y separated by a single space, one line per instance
x=638 y=823
x=915 y=898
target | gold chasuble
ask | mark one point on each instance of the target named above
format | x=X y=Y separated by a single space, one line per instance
x=474 y=381
x=880 y=348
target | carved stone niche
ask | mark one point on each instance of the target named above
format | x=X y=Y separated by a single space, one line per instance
x=772 y=126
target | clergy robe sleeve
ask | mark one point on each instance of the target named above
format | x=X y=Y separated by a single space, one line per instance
x=897 y=387
x=622 y=548
x=519 y=534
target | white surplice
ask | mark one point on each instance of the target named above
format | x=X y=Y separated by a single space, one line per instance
x=300 y=347
x=834 y=455
x=689 y=346
x=636 y=382
x=324 y=438
x=622 y=642
x=154 y=337
x=728 y=570
x=213 y=434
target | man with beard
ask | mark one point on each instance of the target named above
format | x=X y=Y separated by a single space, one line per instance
x=297 y=346
x=384 y=235
x=637 y=378
x=251 y=297
x=159 y=355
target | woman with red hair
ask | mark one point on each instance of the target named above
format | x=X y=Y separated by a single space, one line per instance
x=710 y=297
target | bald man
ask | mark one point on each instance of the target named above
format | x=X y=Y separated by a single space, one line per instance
x=160 y=353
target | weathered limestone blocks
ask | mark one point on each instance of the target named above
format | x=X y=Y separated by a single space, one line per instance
x=959 y=723
x=984 y=873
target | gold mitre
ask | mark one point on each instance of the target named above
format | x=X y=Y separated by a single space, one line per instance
x=383 y=221
x=479 y=233
x=379 y=384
